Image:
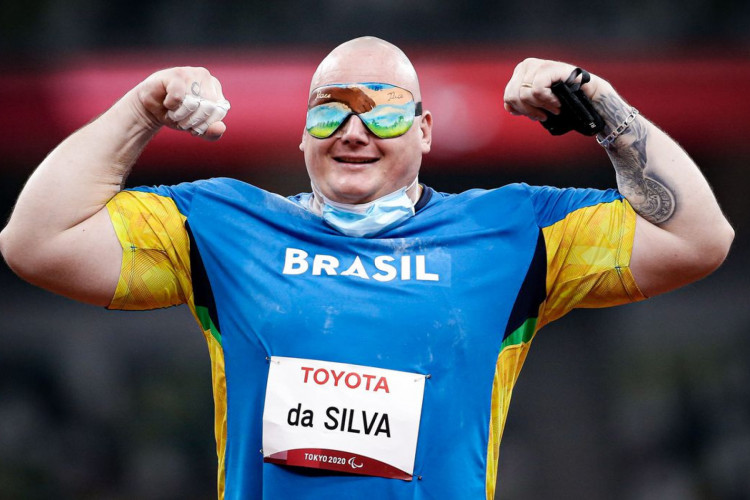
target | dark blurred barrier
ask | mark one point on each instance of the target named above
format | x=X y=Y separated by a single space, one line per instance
x=696 y=98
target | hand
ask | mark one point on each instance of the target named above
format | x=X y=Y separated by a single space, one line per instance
x=528 y=92
x=184 y=98
x=358 y=101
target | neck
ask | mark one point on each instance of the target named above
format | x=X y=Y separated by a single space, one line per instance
x=414 y=192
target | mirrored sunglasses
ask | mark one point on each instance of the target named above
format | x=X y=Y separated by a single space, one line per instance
x=386 y=110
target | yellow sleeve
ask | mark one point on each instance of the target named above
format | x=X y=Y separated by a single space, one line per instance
x=588 y=260
x=155 y=270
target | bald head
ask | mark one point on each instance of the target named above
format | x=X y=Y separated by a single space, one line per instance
x=367 y=59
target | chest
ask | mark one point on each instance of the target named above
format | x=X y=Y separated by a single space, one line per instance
x=300 y=289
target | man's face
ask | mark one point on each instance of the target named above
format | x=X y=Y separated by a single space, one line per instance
x=354 y=165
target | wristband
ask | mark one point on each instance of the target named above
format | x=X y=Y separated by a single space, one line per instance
x=619 y=130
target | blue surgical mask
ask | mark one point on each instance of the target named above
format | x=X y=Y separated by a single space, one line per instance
x=369 y=219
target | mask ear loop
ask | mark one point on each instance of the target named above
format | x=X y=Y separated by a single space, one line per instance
x=416 y=191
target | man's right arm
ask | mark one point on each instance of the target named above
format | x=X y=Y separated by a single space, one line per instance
x=60 y=236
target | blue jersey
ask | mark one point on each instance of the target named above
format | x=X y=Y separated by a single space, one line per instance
x=455 y=293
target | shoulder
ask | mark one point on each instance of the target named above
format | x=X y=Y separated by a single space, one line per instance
x=510 y=196
x=479 y=194
x=219 y=190
x=204 y=187
x=546 y=204
x=552 y=204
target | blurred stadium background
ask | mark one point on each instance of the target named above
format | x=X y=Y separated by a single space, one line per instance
x=648 y=401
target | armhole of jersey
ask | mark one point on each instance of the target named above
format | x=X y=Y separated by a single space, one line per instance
x=203 y=296
x=533 y=291
x=203 y=307
x=520 y=330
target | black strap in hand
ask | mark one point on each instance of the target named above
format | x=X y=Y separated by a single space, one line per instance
x=576 y=111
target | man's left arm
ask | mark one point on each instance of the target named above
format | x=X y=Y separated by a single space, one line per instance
x=681 y=233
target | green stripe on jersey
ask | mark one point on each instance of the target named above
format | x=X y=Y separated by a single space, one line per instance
x=522 y=334
x=207 y=323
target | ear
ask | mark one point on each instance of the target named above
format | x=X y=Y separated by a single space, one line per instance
x=425 y=126
x=302 y=142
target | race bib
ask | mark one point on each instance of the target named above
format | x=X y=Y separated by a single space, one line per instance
x=342 y=417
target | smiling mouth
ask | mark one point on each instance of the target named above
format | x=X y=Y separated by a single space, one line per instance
x=346 y=159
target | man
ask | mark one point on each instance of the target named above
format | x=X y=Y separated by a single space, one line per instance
x=374 y=326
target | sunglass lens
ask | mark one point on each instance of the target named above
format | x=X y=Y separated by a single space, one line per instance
x=323 y=120
x=387 y=121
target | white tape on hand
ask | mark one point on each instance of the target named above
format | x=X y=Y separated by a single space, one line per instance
x=197 y=114
x=218 y=113
x=188 y=105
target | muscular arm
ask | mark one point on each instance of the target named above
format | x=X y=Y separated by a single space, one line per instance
x=681 y=233
x=629 y=154
x=60 y=236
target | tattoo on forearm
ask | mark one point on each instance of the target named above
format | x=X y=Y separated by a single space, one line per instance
x=651 y=199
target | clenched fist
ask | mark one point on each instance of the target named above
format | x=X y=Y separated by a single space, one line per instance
x=185 y=98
